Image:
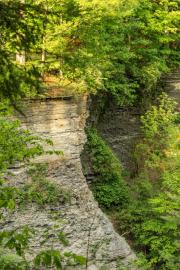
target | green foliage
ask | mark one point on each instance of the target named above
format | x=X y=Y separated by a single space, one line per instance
x=40 y=189
x=62 y=238
x=160 y=138
x=18 y=33
x=109 y=187
x=13 y=244
x=49 y=258
x=117 y=47
x=16 y=240
x=54 y=258
x=11 y=261
x=152 y=220
x=74 y=259
x=17 y=145
x=167 y=203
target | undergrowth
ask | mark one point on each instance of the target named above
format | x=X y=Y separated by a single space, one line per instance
x=147 y=212
x=109 y=187
x=40 y=190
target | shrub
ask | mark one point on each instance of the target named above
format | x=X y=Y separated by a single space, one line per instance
x=154 y=215
x=40 y=189
x=108 y=186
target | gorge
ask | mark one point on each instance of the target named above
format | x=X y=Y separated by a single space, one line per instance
x=88 y=230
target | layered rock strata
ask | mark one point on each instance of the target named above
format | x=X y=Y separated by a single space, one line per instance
x=88 y=230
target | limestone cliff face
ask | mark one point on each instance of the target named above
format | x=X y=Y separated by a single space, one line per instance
x=88 y=230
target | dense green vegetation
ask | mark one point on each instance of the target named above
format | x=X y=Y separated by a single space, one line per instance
x=115 y=49
x=148 y=210
x=18 y=33
x=118 y=47
x=40 y=189
x=109 y=188
x=156 y=211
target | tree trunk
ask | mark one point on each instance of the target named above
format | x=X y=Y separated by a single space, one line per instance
x=21 y=56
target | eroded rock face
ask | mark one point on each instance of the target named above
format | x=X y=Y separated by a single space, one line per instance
x=88 y=230
x=120 y=128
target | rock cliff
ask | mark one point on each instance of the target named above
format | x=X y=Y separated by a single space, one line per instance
x=87 y=228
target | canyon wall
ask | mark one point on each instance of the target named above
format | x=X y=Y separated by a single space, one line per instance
x=88 y=230
x=120 y=126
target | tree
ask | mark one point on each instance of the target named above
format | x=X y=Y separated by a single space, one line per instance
x=156 y=213
x=120 y=48
x=18 y=33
